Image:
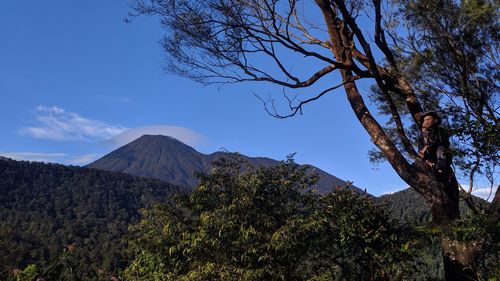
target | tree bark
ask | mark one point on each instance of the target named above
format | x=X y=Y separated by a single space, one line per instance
x=458 y=259
x=442 y=194
x=445 y=207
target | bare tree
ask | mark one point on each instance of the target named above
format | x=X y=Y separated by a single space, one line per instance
x=230 y=41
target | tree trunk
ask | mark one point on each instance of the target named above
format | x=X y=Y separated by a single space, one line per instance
x=458 y=259
x=444 y=201
x=440 y=193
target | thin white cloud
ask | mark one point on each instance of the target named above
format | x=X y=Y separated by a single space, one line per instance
x=55 y=123
x=184 y=135
x=83 y=159
x=481 y=190
x=58 y=157
x=35 y=156
x=486 y=193
x=391 y=191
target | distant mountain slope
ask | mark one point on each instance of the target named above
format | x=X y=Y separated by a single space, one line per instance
x=156 y=157
x=46 y=207
x=408 y=206
x=168 y=159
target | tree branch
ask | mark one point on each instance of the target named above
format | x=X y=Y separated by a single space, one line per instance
x=298 y=108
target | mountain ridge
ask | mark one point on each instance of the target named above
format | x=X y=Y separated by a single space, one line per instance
x=407 y=206
x=168 y=159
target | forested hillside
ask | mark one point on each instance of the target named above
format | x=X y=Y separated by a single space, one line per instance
x=72 y=223
x=260 y=225
x=407 y=206
x=46 y=208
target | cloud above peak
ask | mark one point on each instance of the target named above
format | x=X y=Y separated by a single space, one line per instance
x=58 y=157
x=55 y=123
x=184 y=135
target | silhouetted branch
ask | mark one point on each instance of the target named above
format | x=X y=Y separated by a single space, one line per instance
x=294 y=109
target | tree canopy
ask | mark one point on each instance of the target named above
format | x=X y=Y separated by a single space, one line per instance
x=48 y=211
x=262 y=225
x=420 y=55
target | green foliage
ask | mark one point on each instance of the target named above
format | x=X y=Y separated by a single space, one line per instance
x=408 y=207
x=262 y=224
x=449 y=52
x=480 y=232
x=46 y=208
x=476 y=232
x=58 y=268
x=29 y=273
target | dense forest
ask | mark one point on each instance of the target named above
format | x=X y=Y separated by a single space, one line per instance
x=47 y=209
x=239 y=223
x=407 y=206
x=261 y=225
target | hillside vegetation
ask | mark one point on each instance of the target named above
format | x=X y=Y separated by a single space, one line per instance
x=261 y=225
x=407 y=206
x=48 y=208
x=239 y=223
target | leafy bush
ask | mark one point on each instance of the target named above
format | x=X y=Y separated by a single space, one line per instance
x=481 y=234
x=261 y=224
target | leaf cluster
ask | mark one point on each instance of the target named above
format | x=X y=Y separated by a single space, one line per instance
x=261 y=224
x=448 y=50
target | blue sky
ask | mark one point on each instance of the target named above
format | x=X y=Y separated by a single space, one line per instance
x=73 y=76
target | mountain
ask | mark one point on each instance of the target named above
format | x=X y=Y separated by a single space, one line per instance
x=45 y=208
x=406 y=206
x=170 y=160
x=50 y=209
x=409 y=207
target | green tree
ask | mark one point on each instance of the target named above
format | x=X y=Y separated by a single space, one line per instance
x=224 y=41
x=59 y=268
x=45 y=208
x=449 y=55
x=450 y=45
x=262 y=225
